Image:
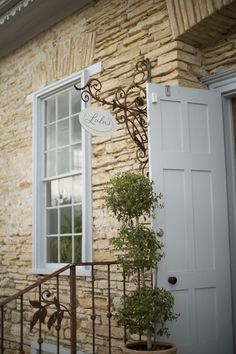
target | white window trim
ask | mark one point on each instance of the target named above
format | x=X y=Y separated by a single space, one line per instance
x=38 y=264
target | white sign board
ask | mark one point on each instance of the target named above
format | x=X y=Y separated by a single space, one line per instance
x=97 y=121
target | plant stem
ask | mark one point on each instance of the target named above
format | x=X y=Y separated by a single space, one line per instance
x=142 y=277
x=149 y=339
x=155 y=270
x=142 y=269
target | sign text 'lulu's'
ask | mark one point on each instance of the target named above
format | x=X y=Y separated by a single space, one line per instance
x=97 y=121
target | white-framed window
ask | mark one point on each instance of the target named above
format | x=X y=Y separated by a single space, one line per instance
x=62 y=203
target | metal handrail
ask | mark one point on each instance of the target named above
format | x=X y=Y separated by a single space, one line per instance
x=34 y=285
x=50 y=276
x=72 y=311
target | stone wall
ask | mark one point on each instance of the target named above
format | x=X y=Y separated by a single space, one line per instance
x=201 y=21
x=119 y=33
x=220 y=56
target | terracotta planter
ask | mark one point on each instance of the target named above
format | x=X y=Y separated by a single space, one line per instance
x=136 y=348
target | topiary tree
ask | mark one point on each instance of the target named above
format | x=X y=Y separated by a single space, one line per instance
x=131 y=198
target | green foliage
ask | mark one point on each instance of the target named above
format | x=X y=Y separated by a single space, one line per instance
x=66 y=249
x=144 y=308
x=131 y=198
x=130 y=195
x=140 y=247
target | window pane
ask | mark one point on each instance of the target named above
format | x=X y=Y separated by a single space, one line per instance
x=76 y=157
x=66 y=220
x=52 y=193
x=50 y=137
x=65 y=190
x=66 y=249
x=50 y=110
x=75 y=129
x=63 y=133
x=77 y=189
x=63 y=105
x=50 y=164
x=78 y=248
x=52 y=222
x=52 y=250
x=78 y=219
x=63 y=161
x=75 y=101
x=62 y=145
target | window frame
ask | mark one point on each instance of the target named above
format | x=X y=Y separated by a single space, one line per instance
x=39 y=263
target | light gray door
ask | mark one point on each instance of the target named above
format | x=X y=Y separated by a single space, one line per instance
x=187 y=164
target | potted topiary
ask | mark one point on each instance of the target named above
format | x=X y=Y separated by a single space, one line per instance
x=146 y=310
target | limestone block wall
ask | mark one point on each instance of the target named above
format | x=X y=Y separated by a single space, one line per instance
x=220 y=56
x=201 y=21
x=187 y=13
x=117 y=33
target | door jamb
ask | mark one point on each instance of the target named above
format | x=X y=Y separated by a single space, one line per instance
x=225 y=83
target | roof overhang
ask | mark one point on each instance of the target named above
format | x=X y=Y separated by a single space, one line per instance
x=22 y=20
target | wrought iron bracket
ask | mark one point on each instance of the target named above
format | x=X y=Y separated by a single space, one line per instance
x=129 y=106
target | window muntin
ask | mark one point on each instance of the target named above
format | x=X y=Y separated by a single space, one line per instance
x=63 y=177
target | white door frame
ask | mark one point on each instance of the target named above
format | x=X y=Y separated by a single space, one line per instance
x=225 y=83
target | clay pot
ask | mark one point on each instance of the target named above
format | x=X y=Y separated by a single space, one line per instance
x=136 y=348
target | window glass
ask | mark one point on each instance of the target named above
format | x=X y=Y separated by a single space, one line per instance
x=75 y=102
x=50 y=110
x=65 y=249
x=52 y=193
x=52 y=250
x=76 y=157
x=63 y=133
x=50 y=164
x=78 y=218
x=75 y=130
x=50 y=140
x=77 y=189
x=78 y=248
x=63 y=104
x=65 y=190
x=63 y=162
x=52 y=221
x=66 y=220
x=63 y=177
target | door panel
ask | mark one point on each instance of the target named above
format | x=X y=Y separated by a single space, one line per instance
x=187 y=164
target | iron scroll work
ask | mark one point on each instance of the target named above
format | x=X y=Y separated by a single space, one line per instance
x=129 y=106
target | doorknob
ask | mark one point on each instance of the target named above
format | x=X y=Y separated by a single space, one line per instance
x=172 y=280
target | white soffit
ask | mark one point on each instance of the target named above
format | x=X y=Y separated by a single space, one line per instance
x=22 y=20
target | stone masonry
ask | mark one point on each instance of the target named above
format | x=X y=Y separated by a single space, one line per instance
x=116 y=33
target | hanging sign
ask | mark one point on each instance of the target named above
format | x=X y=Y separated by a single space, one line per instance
x=97 y=121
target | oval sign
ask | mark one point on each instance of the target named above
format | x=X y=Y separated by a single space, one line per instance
x=97 y=121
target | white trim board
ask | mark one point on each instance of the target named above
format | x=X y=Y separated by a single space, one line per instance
x=225 y=83
x=90 y=71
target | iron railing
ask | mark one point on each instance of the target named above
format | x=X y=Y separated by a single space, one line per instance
x=50 y=309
